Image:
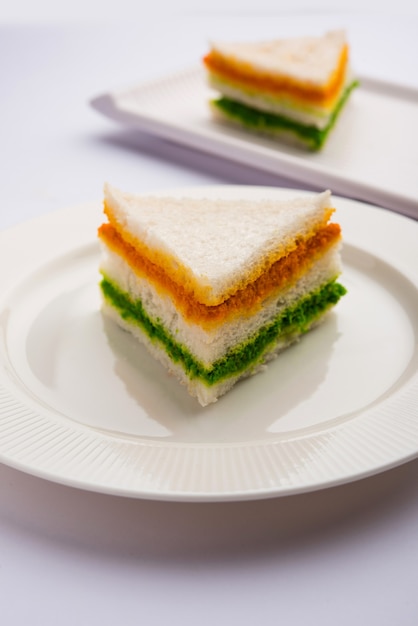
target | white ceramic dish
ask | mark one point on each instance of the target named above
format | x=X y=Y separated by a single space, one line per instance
x=82 y=404
x=371 y=154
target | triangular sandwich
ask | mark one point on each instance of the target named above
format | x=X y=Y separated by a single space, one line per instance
x=215 y=288
x=289 y=88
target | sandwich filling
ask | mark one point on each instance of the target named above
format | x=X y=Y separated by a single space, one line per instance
x=313 y=134
x=246 y=76
x=284 y=271
x=291 y=323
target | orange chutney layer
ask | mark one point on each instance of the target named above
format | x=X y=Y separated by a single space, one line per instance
x=202 y=292
x=246 y=76
x=284 y=272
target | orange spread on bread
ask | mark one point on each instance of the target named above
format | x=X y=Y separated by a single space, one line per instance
x=246 y=76
x=285 y=270
x=181 y=275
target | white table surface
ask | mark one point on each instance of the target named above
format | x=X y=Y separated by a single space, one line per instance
x=346 y=555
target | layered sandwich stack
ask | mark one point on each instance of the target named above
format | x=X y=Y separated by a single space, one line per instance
x=215 y=288
x=288 y=88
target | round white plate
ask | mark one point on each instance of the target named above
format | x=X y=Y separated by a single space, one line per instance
x=81 y=403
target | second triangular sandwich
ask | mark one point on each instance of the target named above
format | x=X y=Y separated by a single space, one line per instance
x=289 y=88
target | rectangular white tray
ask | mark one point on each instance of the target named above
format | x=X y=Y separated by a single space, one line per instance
x=371 y=154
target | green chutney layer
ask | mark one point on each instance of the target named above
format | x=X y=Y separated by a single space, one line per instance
x=292 y=322
x=264 y=122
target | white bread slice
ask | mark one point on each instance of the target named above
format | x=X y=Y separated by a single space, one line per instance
x=309 y=60
x=214 y=247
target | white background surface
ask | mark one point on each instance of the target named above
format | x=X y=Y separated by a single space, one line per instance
x=341 y=556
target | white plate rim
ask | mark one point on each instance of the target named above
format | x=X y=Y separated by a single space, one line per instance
x=336 y=456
